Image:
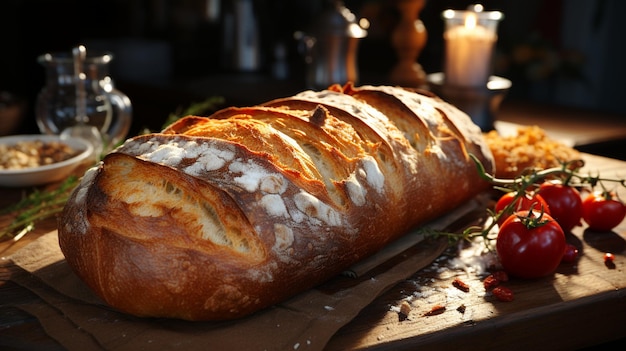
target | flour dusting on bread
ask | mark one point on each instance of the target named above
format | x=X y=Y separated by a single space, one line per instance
x=216 y=218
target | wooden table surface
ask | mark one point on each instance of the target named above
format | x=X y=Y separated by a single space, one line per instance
x=583 y=304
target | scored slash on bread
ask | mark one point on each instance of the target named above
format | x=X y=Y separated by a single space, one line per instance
x=216 y=218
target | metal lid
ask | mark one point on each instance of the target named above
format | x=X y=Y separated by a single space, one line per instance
x=338 y=20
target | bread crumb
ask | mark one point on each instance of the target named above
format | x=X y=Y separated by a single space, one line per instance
x=405 y=308
x=459 y=284
x=437 y=309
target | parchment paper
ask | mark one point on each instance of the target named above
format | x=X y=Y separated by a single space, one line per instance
x=71 y=314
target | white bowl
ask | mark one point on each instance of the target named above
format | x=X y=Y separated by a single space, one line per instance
x=45 y=174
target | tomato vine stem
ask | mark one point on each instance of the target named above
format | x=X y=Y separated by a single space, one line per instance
x=568 y=173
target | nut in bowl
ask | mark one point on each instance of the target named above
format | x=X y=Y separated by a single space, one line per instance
x=37 y=159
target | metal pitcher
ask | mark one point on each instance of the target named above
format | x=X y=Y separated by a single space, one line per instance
x=331 y=47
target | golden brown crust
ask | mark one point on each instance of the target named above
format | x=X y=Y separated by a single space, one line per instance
x=215 y=218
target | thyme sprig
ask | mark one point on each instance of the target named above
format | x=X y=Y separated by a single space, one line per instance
x=567 y=173
x=37 y=206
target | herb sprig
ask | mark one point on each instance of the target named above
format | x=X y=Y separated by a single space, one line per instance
x=37 y=206
x=568 y=173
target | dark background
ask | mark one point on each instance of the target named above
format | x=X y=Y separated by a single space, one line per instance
x=556 y=52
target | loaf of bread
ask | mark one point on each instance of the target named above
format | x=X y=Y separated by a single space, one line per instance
x=216 y=218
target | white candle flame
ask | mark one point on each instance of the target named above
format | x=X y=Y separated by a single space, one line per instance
x=470 y=20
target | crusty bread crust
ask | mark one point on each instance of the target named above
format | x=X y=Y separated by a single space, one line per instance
x=216 y=218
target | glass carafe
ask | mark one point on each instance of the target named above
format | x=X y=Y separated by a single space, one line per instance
x=106 y=108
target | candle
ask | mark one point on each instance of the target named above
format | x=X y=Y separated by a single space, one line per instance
x=469 y=40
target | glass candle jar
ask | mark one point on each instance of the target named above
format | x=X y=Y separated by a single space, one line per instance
x=470 y=37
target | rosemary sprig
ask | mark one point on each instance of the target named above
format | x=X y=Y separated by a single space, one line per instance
x=37 y=206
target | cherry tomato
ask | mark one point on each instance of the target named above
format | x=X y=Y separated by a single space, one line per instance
x=603 y=211
x=521 y=203
x=571 y=254
x=565 y=203
x=530 y=244
x=609 y=260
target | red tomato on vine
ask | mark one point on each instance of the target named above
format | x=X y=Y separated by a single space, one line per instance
x=603 y=211
x=530 y=244
x=523 y=202
x=564 y=202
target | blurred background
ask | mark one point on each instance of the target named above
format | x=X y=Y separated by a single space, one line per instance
x=170 y=53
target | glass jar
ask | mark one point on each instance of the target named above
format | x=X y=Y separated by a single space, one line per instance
x=106 y=108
